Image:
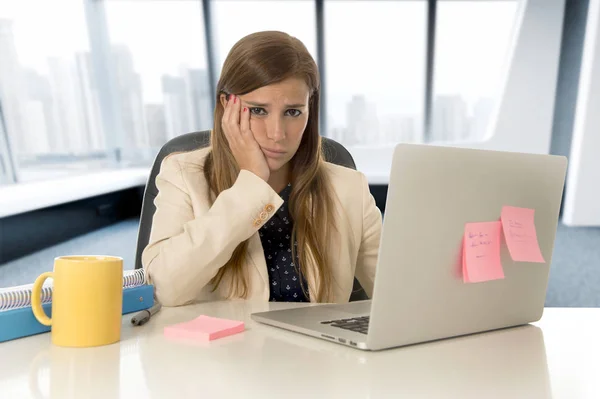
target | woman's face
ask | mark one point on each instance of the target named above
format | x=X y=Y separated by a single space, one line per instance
x=278 y=117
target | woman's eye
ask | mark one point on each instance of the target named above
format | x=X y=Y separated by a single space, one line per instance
x=293 y=112
x=258 y=111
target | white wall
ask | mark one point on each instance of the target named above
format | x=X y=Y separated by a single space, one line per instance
x=582 y=198
x=522 y=121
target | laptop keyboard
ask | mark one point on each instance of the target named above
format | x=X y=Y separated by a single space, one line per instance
x=358 y=324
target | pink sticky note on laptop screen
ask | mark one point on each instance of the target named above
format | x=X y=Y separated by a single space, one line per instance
x=481 y=252
x=520 y=234
x=204 y=328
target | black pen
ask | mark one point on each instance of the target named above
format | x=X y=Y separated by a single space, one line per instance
x=143 y=316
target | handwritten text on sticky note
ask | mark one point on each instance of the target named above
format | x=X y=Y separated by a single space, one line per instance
x=520 y=234
x=481 y=252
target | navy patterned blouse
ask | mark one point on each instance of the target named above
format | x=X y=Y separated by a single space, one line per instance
x=275 y=236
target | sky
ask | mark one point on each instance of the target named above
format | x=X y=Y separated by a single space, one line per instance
x=374 y=48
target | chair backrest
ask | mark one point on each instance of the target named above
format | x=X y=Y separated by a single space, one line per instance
x=333 y=152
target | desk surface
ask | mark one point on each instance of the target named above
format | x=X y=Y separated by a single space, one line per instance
x=558 y=357
x=24 y=197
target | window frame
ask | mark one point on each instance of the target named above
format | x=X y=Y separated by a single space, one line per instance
x=515 y=126
x=535 y=18
x=7 y=169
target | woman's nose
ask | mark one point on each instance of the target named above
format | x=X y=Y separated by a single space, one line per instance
x=276 y=129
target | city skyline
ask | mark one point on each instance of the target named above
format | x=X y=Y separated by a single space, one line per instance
x=61 y=112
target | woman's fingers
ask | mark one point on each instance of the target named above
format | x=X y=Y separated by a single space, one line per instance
x=244 y=147
x=225 y=118
x=245 y=123
x=234 y=115
x=230 y=122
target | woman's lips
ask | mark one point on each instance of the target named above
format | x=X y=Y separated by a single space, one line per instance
x=273 y=153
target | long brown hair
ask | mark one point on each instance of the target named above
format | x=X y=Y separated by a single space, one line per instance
x=258 y=60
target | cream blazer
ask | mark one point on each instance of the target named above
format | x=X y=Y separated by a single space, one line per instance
x=190 y=240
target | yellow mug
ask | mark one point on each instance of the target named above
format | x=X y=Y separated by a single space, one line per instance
x=87 y=300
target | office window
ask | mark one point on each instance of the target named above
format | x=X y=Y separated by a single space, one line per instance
x=159 y=65
x=6 y=172
x=471 y=46
x=375 y=72
x=233 y=20
x=48 y=91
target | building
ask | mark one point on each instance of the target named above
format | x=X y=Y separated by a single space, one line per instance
x=449 y=119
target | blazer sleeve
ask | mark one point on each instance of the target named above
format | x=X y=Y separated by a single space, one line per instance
x=369 y=245
x=186 y=251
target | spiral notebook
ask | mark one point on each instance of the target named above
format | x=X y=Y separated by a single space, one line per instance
x=20 y=296
x=17 y=319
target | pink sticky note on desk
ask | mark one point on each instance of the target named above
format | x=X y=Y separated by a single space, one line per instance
x=520 y=234
x=204 y=328
x=481 y=252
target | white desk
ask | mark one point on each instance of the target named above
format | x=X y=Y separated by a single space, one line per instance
x=25 y=197
x=560 y=359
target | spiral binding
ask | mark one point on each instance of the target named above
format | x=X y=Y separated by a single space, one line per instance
x=20 y=296
x=134 y=278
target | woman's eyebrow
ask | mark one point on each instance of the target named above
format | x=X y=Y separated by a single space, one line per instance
x=298 y=105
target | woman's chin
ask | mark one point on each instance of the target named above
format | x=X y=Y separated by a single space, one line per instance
x=275 y=164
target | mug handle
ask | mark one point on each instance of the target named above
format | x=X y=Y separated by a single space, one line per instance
x=36 y=299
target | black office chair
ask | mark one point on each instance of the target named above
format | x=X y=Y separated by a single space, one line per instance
x=333 y=151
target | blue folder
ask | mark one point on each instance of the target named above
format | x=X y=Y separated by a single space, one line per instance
x=21 y=322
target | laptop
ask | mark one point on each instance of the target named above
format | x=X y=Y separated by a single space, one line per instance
x=419 y=294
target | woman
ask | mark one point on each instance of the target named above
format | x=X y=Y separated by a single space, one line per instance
x=259 y=214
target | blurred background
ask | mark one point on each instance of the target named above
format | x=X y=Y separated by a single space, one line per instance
x=91 y=89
